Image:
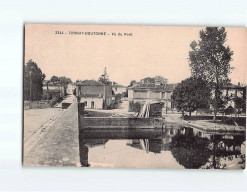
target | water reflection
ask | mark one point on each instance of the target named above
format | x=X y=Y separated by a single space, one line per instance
x=184 y=148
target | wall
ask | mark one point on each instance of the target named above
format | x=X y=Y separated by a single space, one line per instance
x=141 y=94
x=101 y=122
x=102 y=90
x=130 y=94
x=118 y=89
x=98 y=102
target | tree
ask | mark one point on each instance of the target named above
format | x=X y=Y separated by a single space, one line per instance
x=132 y=82
x=54 y=79
x=64 y=80
x=148 y=80
x=33 y=81
x=104 y=78
x=190 y=95
x=161 y=79
x=210 y=60
x=240 y=104
x=190 y=151
x=78 y=81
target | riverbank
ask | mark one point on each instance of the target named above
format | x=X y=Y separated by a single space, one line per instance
x=206 y=123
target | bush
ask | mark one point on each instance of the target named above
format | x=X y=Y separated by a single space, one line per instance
x=135 y=106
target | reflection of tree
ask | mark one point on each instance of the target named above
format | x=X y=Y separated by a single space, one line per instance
x=242 y=162
x=194 y=152
x=190 y=151
x=220 y=154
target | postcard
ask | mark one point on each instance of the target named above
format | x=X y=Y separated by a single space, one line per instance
x=116 y=96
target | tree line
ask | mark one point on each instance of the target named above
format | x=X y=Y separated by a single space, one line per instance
x=33 y=81
x=209 y=61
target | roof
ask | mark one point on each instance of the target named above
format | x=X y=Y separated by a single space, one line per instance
x=118 y=85
x=142 y=86
x=90 y=82
x=232 y=86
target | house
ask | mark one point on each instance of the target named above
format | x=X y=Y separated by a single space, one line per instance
x=118 y=89
x=94 y=94
x=70 y=88
x=141 y=92
x=232 y=91
x=52 y=90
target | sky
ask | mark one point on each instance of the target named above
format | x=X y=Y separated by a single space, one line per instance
x=144 y=51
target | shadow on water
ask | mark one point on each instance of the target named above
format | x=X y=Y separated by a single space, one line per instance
x=189 y=148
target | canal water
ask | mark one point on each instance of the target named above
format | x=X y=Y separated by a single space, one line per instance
x=181 y=149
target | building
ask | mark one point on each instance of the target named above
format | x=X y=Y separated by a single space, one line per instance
x=232 y=91
x=94 y=94
x=141 y=92
x=52 y=90
x=118 y=89
x=70 y=88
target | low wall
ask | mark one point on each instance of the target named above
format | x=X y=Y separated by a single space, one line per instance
x=35 y=105
x=120 y=123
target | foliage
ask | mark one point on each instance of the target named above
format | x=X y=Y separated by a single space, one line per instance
x=54 y=79
x=64 y=80
x=118 y=97
x=132 y=82
x=240 y=104
x=148 y=80
x=190 y=151
x=33 y=81
x=210 y=59
x=161 y=79
x=125 y=94
x=61 y=80
x=191 y=94
x=78 y=81
x=135 y=106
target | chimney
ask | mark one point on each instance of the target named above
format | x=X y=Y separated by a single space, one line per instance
x=238 y=83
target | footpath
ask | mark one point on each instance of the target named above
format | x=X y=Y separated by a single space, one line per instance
x=58 y=145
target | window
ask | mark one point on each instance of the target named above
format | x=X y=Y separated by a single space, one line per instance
x=92 y=104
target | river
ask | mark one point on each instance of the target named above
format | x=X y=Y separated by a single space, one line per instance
x=174 y=150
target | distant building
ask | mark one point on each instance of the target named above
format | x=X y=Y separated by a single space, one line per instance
x=141 y=92
x=70 y=88
x=94 y=94
x=52 y=90
x=232 y=91
x=117 y=88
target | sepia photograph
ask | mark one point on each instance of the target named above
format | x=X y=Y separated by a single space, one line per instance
x=126 y=96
